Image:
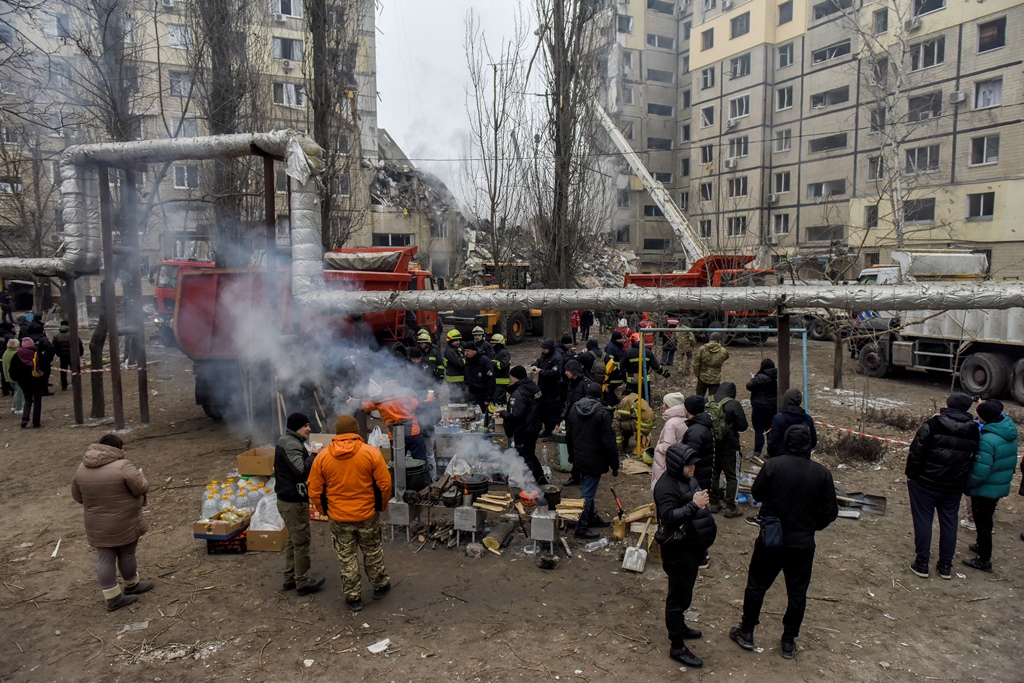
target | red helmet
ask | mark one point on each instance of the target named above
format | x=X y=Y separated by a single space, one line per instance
x=635 y=338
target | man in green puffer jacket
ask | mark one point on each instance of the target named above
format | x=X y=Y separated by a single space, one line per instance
x=990 y=477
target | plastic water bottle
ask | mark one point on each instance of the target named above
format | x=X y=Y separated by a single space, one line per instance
x=225 y=501
x=596 y=545
x=242 y=500
x=210 y=505
x=254 y=494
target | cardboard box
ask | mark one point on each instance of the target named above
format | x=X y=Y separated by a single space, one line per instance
x=267 y=541
x=257 y=462
x=217 y=529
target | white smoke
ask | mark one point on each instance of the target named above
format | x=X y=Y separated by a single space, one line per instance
x=482 y=456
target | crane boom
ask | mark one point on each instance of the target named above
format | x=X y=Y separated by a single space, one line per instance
x=693 y=246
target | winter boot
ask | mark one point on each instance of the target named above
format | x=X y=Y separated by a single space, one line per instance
x=116 y=599
x=138 y=587
x=732 y=511
x=744 y=639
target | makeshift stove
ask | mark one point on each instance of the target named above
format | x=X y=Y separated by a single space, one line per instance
x=544 y=528
x=470 y=519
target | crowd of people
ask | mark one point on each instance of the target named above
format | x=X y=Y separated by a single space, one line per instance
x=28 y=362
x=602 y=399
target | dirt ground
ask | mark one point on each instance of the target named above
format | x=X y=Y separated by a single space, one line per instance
x=489 y=619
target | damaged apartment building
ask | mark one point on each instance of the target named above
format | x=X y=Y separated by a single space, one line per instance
x=823 y=133
x=168 y=78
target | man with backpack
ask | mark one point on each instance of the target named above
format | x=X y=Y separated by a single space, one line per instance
x=727 y=421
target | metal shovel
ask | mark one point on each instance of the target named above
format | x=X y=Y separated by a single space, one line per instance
x=874 y=505
x=636 y=557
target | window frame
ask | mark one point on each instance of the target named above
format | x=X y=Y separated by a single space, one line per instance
x=986 y=157
x=736 y=226
x=740 y=66
x=705 y=228
x=784 y=136
x=785 y=14
x=707 y=39
x=188 y=172
x=880 y=27
x=823 y=138
x=919 y=203
x=1002 y=33
x=821 y=55
x=784 y=98
x=781 y=182
x=739 y=26
x=982 y=206
x=930 y=155
x=707 y=78
x=780 y=229
x=707 y=191
x=656 y=41
x=179 y=36
x=735 y=112
x=669 y=109
x=739 y=147
x=707 y=116
x=978 y=85
x=737 y=186
x=919 y=53
x=787 y=50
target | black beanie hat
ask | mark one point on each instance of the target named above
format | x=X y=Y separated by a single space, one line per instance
x=517 y=371
x=592 y=344
x=989 y=411
x=297 y=421
x=566 y=339
x=594 y=390
x=694 y=404
x=959 y=401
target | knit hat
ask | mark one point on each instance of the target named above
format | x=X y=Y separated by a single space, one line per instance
x=415 y=352
x=674 y=399
x=716 y=337
x=566 y=339
x=594 y=390
x=592 y=344
x=989 y=411
x=517 y=371
x=27 y=343
x=573 y=366
x=470 y=346
x=694 y=405
x=548 y=344
x=297 y=421
x=346 y=424
x=959 y=401
x=616 y=336
x=12 y=343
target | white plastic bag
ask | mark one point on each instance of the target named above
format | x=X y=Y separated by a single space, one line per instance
x=378 y=439
x=266 y=517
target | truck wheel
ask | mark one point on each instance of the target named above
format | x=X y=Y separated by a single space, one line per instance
x=1017 y=383
x=817 y=329
x=985 y=374
x=398 y=350
x=874 y=360
x=516 y=329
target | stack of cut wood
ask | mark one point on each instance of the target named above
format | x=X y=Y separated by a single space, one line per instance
x=570 y=509
x=493 y=502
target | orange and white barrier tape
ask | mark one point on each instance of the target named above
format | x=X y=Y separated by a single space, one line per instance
x=854 y=431
x=86 y=371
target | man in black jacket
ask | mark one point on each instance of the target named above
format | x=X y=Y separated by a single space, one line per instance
x=801 y=494
x=764 y=401
x=576 y=382
x=62 y=347
x=700 y=437
x=549 y=378
x=479 y=377
x=292 y=463
x=686 y=530
x=591 y=443
x=431 y=354
x=523 y=420
x=727 y=450
x=792 y=413
x=938 y=465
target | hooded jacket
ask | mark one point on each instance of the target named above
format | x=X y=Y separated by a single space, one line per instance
x=673 y=496
x=355 y=478
x=550 y=378
x=671 y=433
x=522 y=418
x=735 y=418
x=700 y=436
x=942 y=451
x=113 y=492
x=996 y=460
x=797 y=490
x=590 y=438
x=576 y=389
x=708 y=362
x=764 y=388
x=400 y=408
x=613 y=348
x=480 y=377
x=792 y=413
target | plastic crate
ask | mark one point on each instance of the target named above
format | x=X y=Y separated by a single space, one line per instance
x=236 y=545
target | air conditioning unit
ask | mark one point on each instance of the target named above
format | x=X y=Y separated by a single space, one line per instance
x=168 y=4
x=729 y=123
x=279 y=18
x=730 y=163
x=772 y=199
x=287 y=65
x=772 y=240
x=912 y=24
x=957 y=96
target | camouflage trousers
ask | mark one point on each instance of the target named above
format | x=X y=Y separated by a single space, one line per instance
x=366 y=536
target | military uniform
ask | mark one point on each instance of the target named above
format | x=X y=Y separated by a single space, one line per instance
x=368 y=537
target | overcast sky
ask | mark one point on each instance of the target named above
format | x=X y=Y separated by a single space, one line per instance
x=422 y=75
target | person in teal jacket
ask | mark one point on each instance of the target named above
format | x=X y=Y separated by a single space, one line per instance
x=990 y=476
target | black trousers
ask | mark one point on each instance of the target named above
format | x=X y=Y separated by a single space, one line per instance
x=984 y=511
x=761 y=416
x=681 y=569
x=33 y=401
x=526 y=446
x=65 y=372
x=726 y=461
x=765 y=565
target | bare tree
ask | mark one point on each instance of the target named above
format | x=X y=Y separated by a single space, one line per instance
x=334 y=27
x=27 y=191
x=495 y=105
x=571 y=193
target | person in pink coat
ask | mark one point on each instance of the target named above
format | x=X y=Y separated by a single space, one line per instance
x=672 y=432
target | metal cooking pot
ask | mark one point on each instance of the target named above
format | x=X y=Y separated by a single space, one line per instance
x=451 y=498
x=552 y=494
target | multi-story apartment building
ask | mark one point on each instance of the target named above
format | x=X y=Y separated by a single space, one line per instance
x=54 y=95
x=822 y=135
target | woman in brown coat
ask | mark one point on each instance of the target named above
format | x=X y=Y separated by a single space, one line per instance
x=113 y=492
